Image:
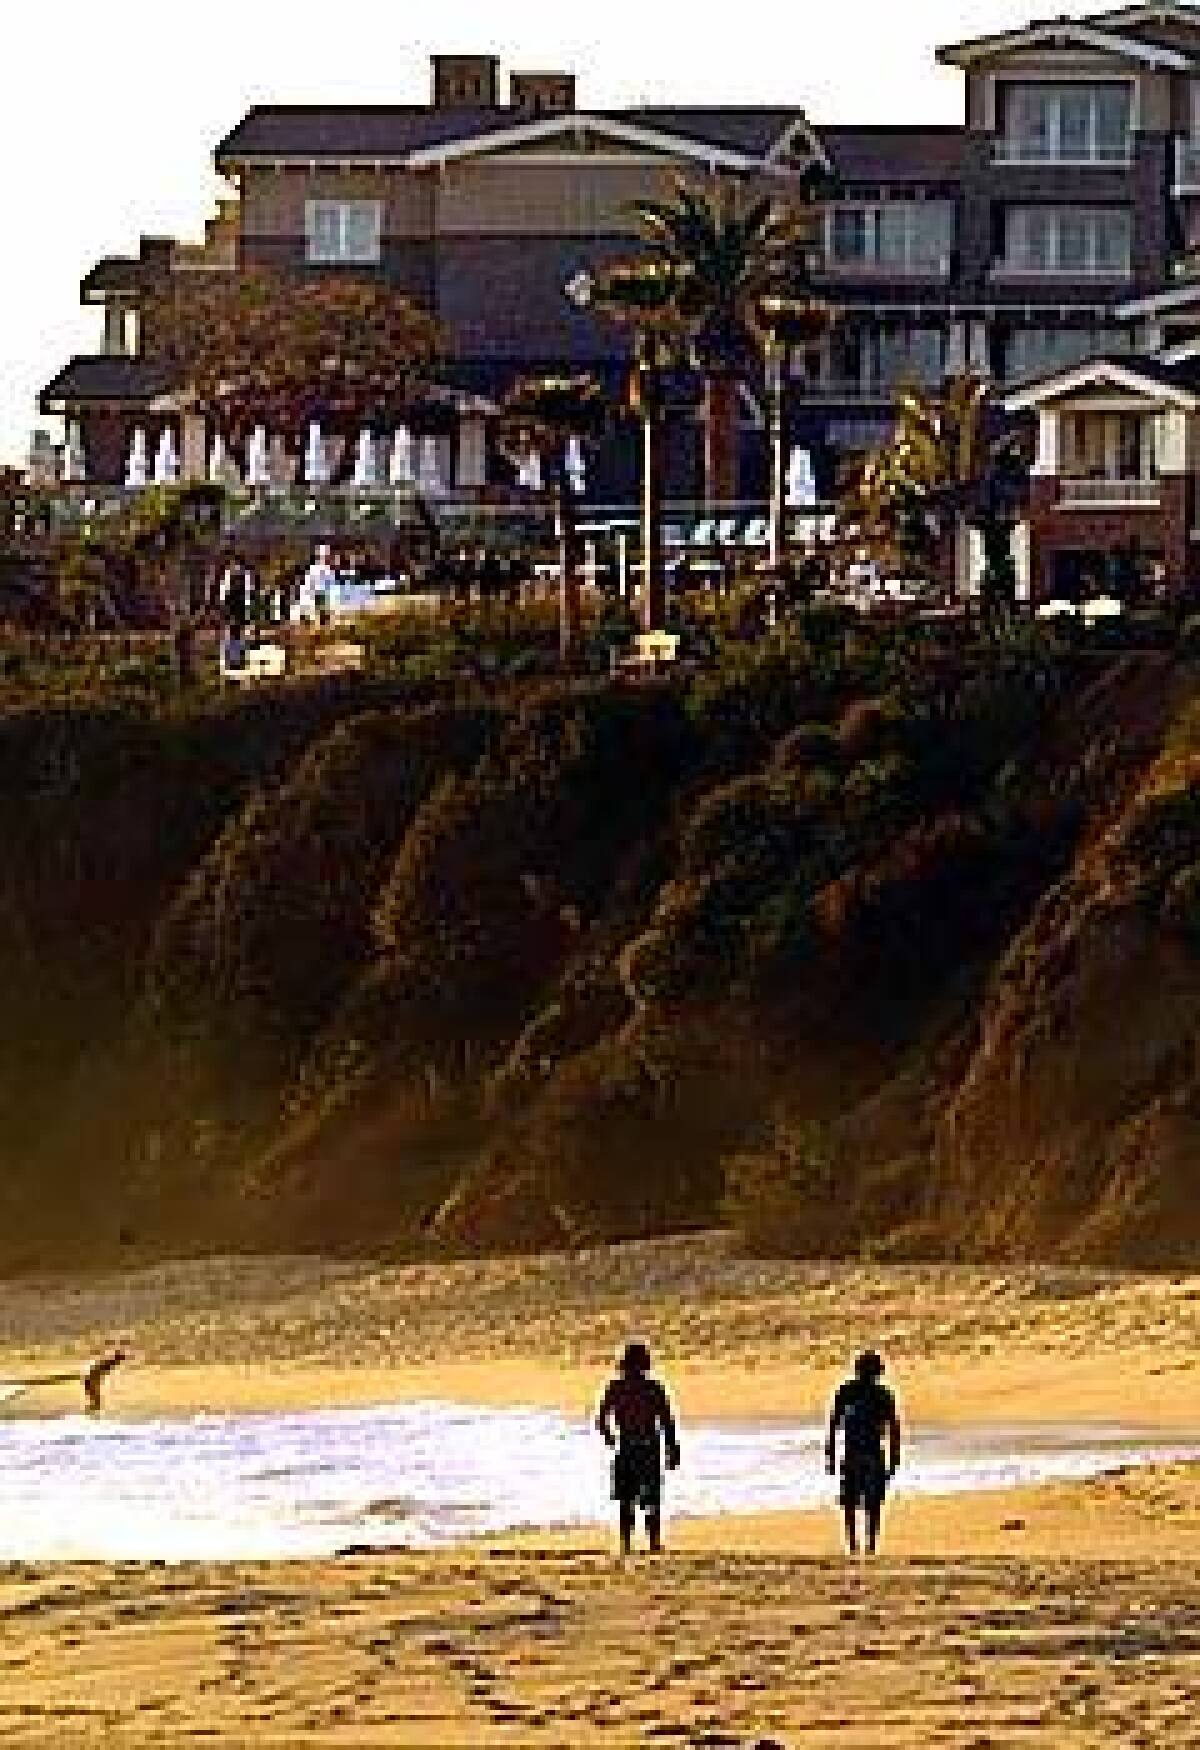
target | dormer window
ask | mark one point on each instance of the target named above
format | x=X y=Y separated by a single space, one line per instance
x=1068 y=123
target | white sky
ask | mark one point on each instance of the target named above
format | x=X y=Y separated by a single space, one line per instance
x=110 y=109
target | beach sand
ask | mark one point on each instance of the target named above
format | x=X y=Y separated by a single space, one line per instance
x=1068 y=1614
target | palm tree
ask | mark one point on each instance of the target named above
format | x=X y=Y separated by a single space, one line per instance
x=946 y=469
x=644 y=296
x=725 y=256
x=548 y=412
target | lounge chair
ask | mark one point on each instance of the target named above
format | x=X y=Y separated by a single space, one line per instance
x=757 y=532
x=704 y=534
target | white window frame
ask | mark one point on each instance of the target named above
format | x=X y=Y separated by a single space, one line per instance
x=871 y=261
x=1011 y=148
x=1017 y=260
x=344 y=254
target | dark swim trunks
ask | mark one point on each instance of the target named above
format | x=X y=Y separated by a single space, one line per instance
x=864 y=1480
x=637 y=1474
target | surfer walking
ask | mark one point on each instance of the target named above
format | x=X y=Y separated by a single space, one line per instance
x=864 y=1413
x=91 y=1378
x=636 y=1418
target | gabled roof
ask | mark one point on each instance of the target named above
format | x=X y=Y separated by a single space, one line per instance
x=103 y=377
x=1155 y=378
x=625 y=131
x=1125 y=18
x=305 y=132
x=1063 y=33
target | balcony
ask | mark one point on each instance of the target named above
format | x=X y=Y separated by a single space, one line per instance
x=1109 y=494
x=939 y=267
x=1024 y=267
x=1187 y=167
x=1049 y=154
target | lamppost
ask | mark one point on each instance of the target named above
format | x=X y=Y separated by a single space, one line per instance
x=784 y=324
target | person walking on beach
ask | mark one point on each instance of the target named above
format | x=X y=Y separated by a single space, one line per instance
x=864 y=1411
x=636 y=1418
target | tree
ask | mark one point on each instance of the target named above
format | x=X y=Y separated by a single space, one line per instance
x=263 y=347
x=548 y=412
x=724 y=257
x=944 y=469
x=644 y=296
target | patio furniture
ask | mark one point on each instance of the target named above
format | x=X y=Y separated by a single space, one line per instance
x=757 y=532
x=650 y=653
x=258 y=662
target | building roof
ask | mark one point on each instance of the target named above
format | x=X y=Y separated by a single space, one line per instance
x=895 y=154
x=103 y=377
x=871 y=155
x=1152 y=376
x=115 y=273
x=1064 y=33
x=397 y=133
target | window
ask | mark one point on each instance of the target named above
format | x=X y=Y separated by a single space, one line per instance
x=900 y=237
x=911 y=356
x=1075 y=123
x=343 y=231
x=1073 y=241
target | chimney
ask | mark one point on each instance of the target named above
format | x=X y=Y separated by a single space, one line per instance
x=536 y=94
x=466 y=81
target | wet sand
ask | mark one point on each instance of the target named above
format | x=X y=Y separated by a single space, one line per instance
x=1064 y=1615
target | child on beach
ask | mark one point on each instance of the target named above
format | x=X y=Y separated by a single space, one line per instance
x=637 y=1407
x=864 y=1410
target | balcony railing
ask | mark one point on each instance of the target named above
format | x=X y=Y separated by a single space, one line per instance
x=844 y=390
x=939 y=267
x=1094 y=494
x=1011 y=150
x=1187 y=167
x=1029 y=267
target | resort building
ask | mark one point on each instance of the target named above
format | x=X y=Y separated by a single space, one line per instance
x=1056 y=223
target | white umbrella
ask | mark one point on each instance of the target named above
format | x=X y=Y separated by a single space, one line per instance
x=166 y=460
x=801 y=481
x=74 y=459
x=576 y=467
x=137 y=468
x=258 y=458
x=428 y=475
x=316 y=472
x=529 y=474
x=218 y=460
x=401 y=467
x=365 y=473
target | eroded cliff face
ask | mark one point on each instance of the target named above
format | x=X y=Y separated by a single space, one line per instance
x=1075 y=1129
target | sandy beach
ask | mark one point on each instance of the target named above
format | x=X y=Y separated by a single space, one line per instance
x=1065 y=1614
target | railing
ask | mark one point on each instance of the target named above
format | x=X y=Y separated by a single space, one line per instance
x=1088 y=494
x=1187 y=166
x=1011 y=150
x=845 y=389
x=939 y=268
x=1028 y=267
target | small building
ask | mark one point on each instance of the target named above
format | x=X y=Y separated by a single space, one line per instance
x=1113 y=492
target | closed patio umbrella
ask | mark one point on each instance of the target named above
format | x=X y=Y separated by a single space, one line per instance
x=316 y=470
x=137 y=467
x=258 y=458
x=166 y=459
x=401 y=467
x=364 y=462
x=429 y=475
x=74 y=459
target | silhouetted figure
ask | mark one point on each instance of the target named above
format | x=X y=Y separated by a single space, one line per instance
x=96 y=1374
x=865 y=1412
x=639 y=1410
